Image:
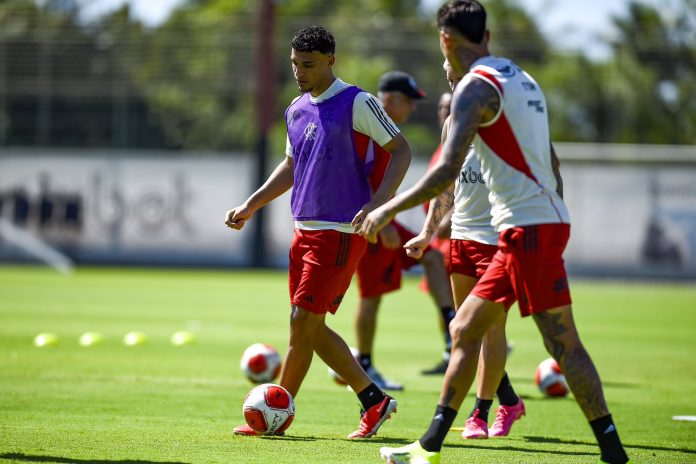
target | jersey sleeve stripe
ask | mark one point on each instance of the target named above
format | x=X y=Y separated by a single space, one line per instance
x=490 y=78
x=379 y=114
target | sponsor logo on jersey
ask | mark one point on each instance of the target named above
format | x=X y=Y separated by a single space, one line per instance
x=528 y=86
x=469 y=176
x=536 y=104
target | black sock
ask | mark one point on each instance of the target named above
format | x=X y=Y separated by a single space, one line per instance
x=370 y=396
x=609 y=442
x=506 y=394
x=484 y=407
x=365 y=360
x=440 y=425
x=447 y=316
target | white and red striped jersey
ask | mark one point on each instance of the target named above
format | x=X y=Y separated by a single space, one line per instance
x=514 y=149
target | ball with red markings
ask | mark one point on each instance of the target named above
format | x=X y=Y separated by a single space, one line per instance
x=550 y=379
x=269 y=409
x=260 y=363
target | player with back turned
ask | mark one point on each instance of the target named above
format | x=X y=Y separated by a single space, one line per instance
x=473 y=245
x=502 y=110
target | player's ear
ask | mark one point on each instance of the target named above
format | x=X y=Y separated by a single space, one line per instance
x=332 y=60
x=445 y=39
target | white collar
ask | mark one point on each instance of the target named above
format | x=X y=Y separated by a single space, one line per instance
x=335 y=87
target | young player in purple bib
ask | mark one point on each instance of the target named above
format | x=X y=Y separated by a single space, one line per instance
x=330 y=198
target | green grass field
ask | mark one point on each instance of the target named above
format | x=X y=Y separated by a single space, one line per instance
x=160 y=403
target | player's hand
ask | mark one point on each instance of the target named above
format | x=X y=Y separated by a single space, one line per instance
x=237 y=217
x=374 y=222
x=360 y=217
x=415 y=247
x=390 y=237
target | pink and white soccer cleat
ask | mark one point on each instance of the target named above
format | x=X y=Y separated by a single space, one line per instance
x=504 y=418
x=475 y=427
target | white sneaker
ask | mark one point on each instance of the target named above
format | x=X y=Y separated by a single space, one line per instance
x=381 y=382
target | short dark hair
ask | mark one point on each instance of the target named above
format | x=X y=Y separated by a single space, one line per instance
x=468 y=17
x=313 y=38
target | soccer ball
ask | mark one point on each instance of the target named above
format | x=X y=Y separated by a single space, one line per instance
x=550 y=379
x=334 y=375
x=269 y=409
x=260 y=363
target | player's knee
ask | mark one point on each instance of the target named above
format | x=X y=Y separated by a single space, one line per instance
x=303 y=322
x=463 y=331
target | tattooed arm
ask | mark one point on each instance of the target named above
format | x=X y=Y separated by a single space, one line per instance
x=474 y=103
x=556 y=166
x=439 y=208
x=441 y=204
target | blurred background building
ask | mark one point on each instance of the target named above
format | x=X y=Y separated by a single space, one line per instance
x=127 y=129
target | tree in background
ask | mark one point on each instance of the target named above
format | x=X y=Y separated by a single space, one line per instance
x=516 y=34
x=643 y=93
x=196 y=72
x=656 y=52
x=190 y=83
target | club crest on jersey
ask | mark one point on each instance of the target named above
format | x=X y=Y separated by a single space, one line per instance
x=508 y=70
x=310 y=131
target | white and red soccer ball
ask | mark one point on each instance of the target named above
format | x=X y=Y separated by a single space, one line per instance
x=269 y=409
x=550 y=379
x=260 y=363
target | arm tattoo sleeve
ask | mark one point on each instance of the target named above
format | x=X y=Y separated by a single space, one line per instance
x=439 y=207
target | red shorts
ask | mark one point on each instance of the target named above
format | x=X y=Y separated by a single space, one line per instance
x=322 y=263
x=528 y=267
x=444 y=246
x=379 y=270
x=470 y=258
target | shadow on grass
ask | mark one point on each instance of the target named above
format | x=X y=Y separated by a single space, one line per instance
x=520 y=449
x=605 y=383
x=59 y=459
x=576 y=442
x=284 y=438
x=470 y=445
